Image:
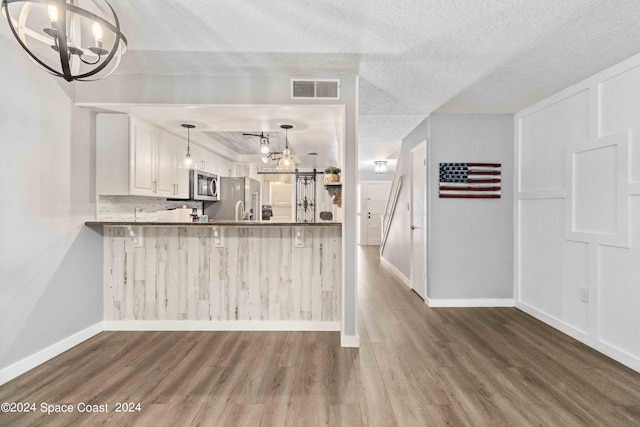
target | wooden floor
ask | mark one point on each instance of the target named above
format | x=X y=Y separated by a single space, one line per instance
x=416 y=366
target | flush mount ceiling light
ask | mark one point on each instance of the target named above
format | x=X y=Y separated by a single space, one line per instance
x=188 y=161
x=381 y=167
x=264 y=141
x=286 y=162
x=73 y=39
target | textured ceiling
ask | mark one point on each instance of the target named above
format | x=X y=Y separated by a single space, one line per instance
x=413 y=57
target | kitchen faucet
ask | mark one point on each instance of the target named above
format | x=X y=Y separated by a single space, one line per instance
x=240 y=204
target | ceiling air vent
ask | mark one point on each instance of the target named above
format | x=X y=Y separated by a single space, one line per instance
x=315 y=89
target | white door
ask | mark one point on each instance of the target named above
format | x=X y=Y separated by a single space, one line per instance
x=377 y=195
x=419 y=219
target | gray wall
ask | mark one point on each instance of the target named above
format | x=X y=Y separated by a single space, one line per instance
x=471 y=252
x=471 y=240
x=50 y=263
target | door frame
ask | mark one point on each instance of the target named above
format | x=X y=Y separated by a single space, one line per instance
x=427 y=210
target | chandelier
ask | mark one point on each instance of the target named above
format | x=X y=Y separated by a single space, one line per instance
x=72 y=39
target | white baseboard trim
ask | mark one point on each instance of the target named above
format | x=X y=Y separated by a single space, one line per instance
x=392 y=268
x=220 y=325
x=605 y=348
x=36 y=359
x=473 y=302
x=349 y=340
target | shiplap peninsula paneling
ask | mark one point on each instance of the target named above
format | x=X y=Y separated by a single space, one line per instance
x=177 y=273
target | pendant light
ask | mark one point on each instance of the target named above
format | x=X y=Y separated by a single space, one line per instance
x=264 y=144
x=82 y=42
x=286 y=163
x=188 y=161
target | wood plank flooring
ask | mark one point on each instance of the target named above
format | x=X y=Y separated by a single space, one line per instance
x=416 y=366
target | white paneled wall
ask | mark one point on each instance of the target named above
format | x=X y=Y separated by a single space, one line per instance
x=577 y=213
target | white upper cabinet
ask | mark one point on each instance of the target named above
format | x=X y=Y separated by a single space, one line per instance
x=179 y=172
x=142 y=155
x=135 y=158
x=170 y=183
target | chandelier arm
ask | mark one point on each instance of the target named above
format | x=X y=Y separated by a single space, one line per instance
x=90 y=63
x=63 y=49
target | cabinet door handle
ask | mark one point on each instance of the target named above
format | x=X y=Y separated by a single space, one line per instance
x=155 y=186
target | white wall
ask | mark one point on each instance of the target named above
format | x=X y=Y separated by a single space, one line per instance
x=470 y=261
x=578 y=211
x=50 y=263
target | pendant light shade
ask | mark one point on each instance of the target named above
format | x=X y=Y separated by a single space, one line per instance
x=188 y=161
x=73 y=39
x=286 y=163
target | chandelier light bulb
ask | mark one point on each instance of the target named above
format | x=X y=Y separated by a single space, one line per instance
x=187 y=160
x=96 y=29
x=52 y=11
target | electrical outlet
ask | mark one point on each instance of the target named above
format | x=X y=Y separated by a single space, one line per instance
x=584 y=294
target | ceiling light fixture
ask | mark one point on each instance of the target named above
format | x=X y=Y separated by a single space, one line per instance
x=58 y=48
x=188 y=161
x=286 y=163
x=264 y=141
x=381 y=167
x=271 y=156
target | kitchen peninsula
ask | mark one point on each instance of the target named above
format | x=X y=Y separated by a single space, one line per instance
x=222 y=275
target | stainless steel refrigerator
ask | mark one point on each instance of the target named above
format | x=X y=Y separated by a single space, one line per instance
x=233 y=190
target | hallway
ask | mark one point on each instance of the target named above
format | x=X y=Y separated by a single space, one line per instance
x=416 y=366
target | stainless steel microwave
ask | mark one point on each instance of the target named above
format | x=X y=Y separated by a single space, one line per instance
x=203 y=186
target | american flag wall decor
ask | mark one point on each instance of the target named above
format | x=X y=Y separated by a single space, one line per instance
x=470 y=180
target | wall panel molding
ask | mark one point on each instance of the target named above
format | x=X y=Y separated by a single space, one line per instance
x=584 y=163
